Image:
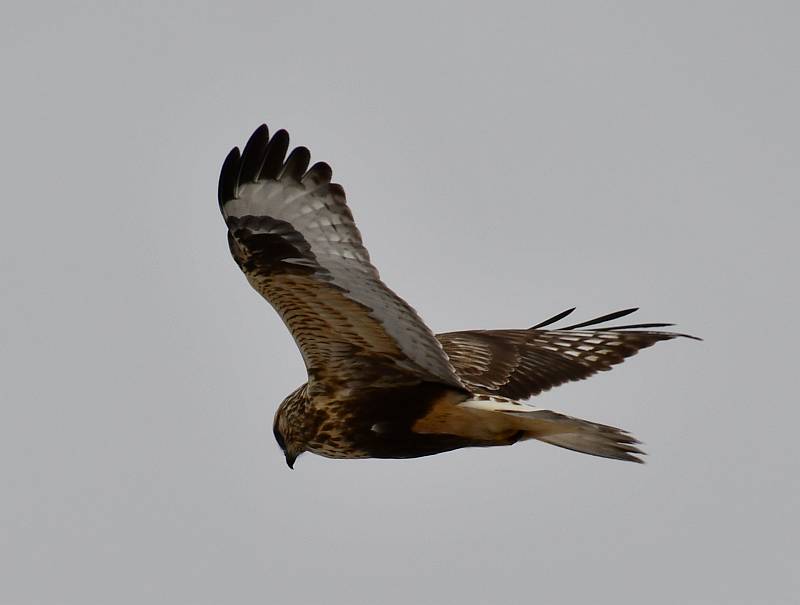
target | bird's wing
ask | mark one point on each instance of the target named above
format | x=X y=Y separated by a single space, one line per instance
x=522 y=363
x=292 y=234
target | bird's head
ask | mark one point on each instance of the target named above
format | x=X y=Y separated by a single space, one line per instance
x=282 y=433
x=287 y=432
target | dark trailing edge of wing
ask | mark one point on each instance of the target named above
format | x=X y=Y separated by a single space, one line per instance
x=605 y=318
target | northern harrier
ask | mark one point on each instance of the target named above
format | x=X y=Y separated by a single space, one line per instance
x=380 y=383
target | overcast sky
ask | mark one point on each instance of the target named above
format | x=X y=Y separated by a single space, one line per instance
x=504 y=163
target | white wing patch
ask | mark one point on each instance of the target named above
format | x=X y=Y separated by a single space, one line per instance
x=493 y=403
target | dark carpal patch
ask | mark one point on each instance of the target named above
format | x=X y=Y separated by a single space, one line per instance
x=266 y=243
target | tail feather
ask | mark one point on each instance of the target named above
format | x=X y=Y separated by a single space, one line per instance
x=557 y=429
x=579 y=435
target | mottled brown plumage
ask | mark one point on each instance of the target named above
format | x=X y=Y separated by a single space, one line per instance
x=380 y=384
x=521 y=363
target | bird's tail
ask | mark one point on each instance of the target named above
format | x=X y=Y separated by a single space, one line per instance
x=584 y=436
x=559 y=429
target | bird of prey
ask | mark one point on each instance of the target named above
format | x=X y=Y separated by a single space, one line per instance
x=380 y=383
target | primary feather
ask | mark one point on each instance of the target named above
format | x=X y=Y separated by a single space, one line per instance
x=293 y=236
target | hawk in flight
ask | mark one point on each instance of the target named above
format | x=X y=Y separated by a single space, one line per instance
x=380 y=383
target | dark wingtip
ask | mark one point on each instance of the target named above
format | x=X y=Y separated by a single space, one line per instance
x=320 y=172
x=689 y=336
x=634 y=326
x=553 y=319
x=276 y=150
x=260 y=133
x=296 y=164
x=664 y=335
x=610 y=317
x=632 y=329
x=253 y=155
x=604 y=318
x=229 y=177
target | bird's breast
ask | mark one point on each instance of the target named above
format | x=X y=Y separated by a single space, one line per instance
x=379 y=423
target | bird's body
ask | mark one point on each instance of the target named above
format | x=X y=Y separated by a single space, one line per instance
x=381 y=385
x=374 y=423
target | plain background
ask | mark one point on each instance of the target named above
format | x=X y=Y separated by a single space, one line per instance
x=504 y=162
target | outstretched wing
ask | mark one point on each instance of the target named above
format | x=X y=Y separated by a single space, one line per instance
x=293 y=236
x=522 y=363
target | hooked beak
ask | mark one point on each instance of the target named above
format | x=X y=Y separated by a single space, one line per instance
x=290 y=458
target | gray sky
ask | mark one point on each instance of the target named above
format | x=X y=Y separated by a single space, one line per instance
x=504 y=163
